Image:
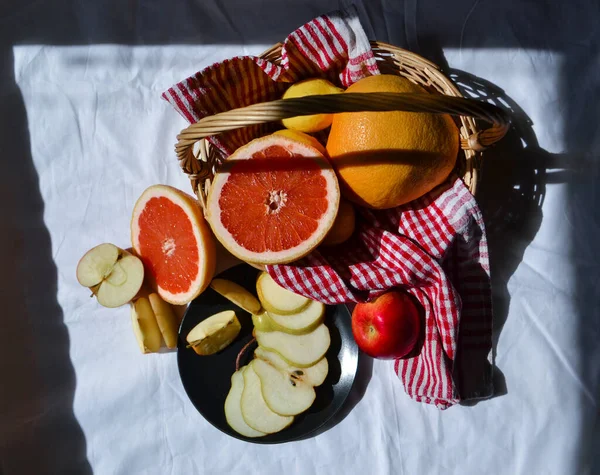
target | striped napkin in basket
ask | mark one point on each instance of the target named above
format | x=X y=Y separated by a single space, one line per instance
x=435 y=247
x=332 y=46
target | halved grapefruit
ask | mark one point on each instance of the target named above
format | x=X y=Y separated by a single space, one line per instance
x=273 y=200
x=170 y=235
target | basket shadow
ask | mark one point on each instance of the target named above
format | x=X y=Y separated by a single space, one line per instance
x=510 y=193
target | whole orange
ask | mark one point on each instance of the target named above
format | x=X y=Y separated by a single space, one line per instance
x=386 y=159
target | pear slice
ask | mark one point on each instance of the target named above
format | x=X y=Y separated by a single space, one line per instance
x=297 y=350
x=214 y=333
x=276 y=299
x=237 y=294
x=114 y=275
x=295 y=324
x=262 y=322
x=145 y=327
x=283 y=393
x=313 y=375
x=233 y=410
x=166 y=319
x=254 y=409
x=305 y=321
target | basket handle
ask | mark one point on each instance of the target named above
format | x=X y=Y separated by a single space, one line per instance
x=348 y=102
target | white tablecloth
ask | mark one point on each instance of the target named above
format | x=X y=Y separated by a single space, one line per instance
x=84 y=131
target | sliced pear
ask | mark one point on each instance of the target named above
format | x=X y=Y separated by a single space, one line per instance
x=276 y=299
x=262 y=322
x=214 y=333
x=115 y=276
x=299 y=323
x=305 y=321
x=284 y=394
x=297 y=350
x=236 y=294
x=313 y=375
x=145 y=327
x=233 y=410
x=254 y=409
x=166 y=319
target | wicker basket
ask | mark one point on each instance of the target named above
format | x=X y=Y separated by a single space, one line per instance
x=199 y=160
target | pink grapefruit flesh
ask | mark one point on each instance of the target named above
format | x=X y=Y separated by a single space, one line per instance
x=171 y=236
x=273 y=201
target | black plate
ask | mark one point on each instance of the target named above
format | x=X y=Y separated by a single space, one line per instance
x=207 y=379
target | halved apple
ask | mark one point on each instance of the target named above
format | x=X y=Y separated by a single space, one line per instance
x=214 y=333
x=112 y=274
x=313 y=375
x=283 y=394
x=145 y=328
x=96 y=264
x=275 y=298
x=304 y=321
x=237 y=294
x=233 y=410
x=297 y=350
x=166 y=319
x=254 y=409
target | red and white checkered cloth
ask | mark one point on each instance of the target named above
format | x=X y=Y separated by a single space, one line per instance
x=331 y=46
x=435 y=248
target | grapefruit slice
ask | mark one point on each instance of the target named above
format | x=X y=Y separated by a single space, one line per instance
x=170 y=235
x=273 y=200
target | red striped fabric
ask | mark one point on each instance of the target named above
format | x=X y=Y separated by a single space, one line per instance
x=435 y=248
x=332 y=46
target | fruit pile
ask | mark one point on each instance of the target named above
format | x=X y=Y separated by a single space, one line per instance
x=273 y=201
x=278 y=197
x=172 y=261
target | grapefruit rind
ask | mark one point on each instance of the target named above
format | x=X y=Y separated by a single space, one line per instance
x=202 y=234
x=287 y=255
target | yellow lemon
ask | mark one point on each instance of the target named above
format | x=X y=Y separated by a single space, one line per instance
x=310 y=87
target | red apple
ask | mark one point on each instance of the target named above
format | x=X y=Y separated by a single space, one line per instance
x=388 y=326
